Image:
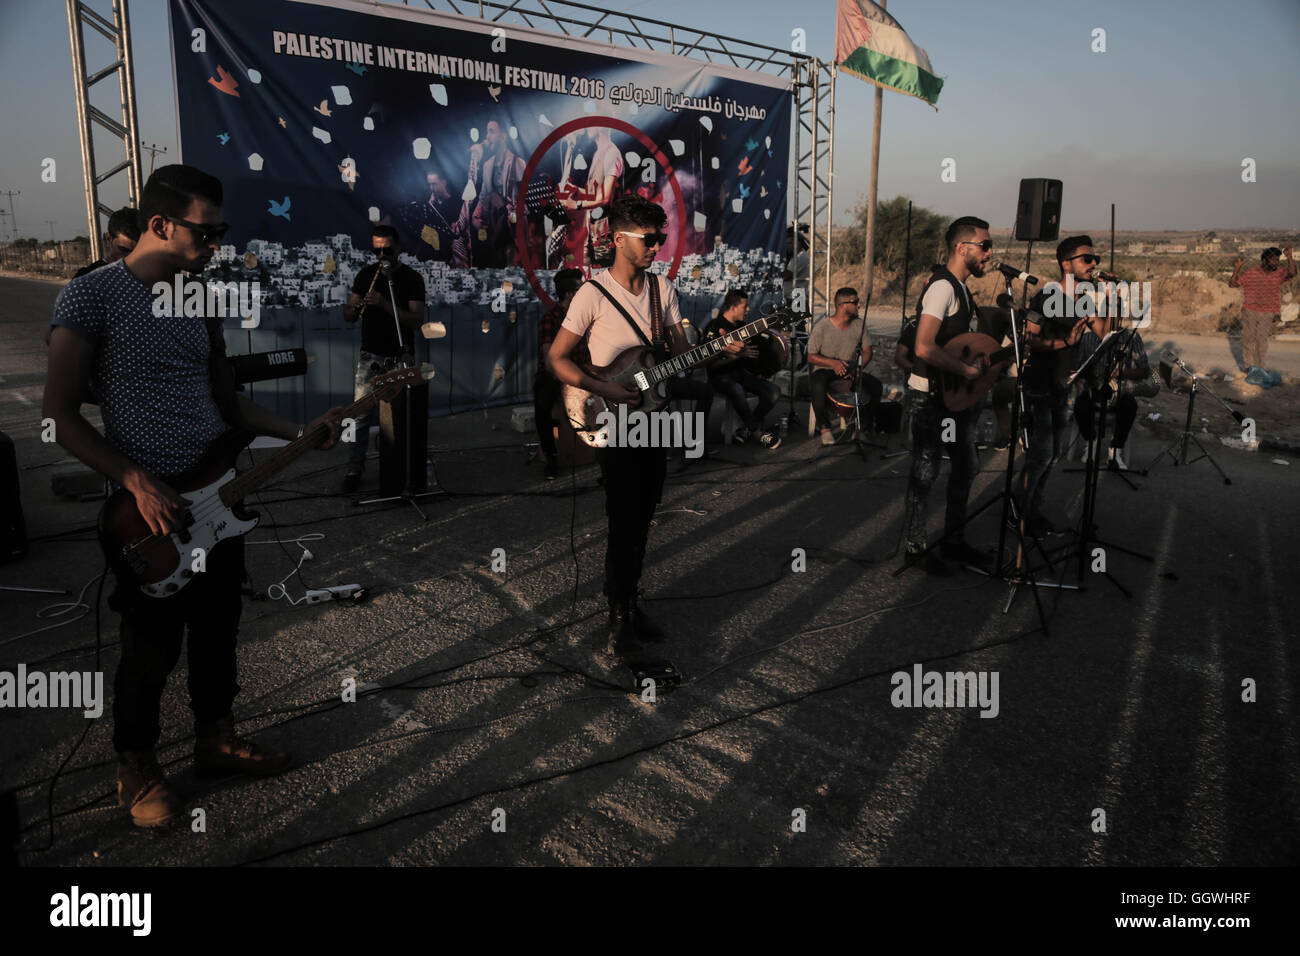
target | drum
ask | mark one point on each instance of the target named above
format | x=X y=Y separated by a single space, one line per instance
x=773 y=354
x=845 y=395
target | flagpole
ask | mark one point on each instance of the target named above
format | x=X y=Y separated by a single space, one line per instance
x=872 y=179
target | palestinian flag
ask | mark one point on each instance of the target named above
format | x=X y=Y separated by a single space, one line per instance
x=871 y=45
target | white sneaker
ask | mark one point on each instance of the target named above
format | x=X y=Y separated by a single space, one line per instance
x=827 y=438
x=1117 y=458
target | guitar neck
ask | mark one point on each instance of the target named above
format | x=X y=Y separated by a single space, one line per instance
x=705 y=351
x=269 y=467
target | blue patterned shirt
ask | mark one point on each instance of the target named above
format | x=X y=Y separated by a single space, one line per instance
x=150 y=374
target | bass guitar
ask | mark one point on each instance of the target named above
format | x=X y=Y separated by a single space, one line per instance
x=161 y=564
x=645 y=370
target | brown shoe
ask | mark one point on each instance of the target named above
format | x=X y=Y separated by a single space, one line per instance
x=142 y=788
x=226 y=752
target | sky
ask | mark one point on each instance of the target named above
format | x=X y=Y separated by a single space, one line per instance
x=1158 y=124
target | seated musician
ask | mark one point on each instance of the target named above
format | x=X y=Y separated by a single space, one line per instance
x=730 y=378
x=834 y=344
x=1133 y=378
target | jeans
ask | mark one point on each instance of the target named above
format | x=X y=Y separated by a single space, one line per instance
x=368 y=366
x=734 y=384
x=1048 y=416
x=208 y=608
x=634 y=483
x=928 y=427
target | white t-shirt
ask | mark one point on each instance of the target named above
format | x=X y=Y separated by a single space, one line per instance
x=607 y=162
x=610 y=333
x=940 y=301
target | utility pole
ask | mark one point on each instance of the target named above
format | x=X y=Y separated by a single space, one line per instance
x=50 y=223
x=154 y=149
x=13 y=220
x=4 y=224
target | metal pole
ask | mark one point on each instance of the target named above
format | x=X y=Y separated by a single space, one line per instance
x=1112 y=237
x=126 y=86
x=830 y=184
x=13 y=220
x=871 y=190
x=811 y=278
x=83 y=125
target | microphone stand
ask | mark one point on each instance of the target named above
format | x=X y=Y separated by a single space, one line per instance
x=408 y=494
x=1187 y=436
x=1107 y=353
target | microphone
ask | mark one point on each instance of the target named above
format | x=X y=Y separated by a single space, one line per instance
x=1013 y=273
x=1105 y=276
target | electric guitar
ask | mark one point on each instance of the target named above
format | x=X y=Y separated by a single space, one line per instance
x=161 y=564
x=973 y=348
x=645 y=370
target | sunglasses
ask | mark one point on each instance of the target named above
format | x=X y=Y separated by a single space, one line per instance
x=385 y=251
x=985 y=245
x=1088 y=259
x=205 y=233
x=649 y=238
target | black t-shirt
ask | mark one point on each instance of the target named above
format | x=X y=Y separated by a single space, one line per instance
x=378 y=328
x=90 y=268
x=717 y=327
x=1047 y=371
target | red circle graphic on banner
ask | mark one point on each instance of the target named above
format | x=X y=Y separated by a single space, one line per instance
x=564 y=129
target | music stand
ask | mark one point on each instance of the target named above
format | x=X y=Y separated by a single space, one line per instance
x=1108 y=354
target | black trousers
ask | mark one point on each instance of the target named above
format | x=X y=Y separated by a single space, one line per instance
x=634 y=483
x=208 y=609
x=929 y=425
x=546 y=389
x=1085 y=414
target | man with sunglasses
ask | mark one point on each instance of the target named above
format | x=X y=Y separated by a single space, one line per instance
x=385 y=337
x=835 y=342
x=1052 y=341
x=165 y=394
x=619 y=309
x=945 y=311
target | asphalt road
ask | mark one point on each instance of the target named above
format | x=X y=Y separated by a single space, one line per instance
x=482 y=697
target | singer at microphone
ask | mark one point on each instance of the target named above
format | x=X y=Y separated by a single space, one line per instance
x=388 y=299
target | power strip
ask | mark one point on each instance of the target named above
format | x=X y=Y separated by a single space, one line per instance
x=340 y=592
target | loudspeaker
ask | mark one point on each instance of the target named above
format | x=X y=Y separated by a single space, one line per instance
x=1038 y=211
x=13 y=529
x=403 y=441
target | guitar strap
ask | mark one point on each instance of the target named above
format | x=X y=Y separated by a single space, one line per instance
x=221 y=376
x=656 y=313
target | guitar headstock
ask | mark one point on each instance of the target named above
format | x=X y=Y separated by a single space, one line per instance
x=784 y=318
x=389 y=385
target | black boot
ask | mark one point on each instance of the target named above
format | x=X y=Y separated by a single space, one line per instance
x=646 y=629
x=622 y=635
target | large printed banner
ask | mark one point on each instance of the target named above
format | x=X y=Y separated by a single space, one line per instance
x=494 y=151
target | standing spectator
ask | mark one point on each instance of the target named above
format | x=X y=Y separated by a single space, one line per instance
x=1263 y=306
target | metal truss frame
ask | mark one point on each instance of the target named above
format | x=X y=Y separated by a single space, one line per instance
x=118 y=32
